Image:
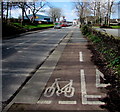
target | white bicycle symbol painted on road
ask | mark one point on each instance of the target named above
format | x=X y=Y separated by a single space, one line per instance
x=67 y=90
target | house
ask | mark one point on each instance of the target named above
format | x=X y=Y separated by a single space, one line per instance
x=40 y=18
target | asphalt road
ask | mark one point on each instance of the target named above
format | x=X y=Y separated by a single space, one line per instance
x=114 y=32
x=22 y=55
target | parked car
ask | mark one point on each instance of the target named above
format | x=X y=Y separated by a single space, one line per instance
x=57 y=25
x=64 y=24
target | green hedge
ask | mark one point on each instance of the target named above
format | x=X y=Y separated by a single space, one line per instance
x=9 y=29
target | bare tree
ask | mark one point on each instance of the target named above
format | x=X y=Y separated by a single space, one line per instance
x=82 y=10
x=35 y=7
x=109 y=10
x=55 y=13
x=96 y=8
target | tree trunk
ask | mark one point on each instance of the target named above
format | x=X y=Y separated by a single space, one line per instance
x=7 y=11
x=2 y=10
x=23 y=10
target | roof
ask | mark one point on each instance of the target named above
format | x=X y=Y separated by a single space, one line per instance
x=38 y=17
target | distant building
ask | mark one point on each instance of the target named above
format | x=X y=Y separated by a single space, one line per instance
x=115 y=21
x=90 y=19
x=75 y=21
x=40 y=18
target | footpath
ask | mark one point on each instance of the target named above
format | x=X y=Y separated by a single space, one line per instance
x=68 y=80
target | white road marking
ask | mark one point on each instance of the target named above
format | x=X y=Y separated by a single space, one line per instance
x=98 y=75
x=44 y=102
x=21 y=43
x=56 y=86
x=25 y=48
x=83 y=87
x=95 y=103
x=67 y=102
x=45 y=34
x=92 y=96
x=80 y=57
x=20 y=51
x=84 y=92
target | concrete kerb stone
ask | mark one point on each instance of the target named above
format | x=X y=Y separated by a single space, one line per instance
x=35 y=86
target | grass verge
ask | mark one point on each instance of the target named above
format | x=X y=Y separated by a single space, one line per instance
x=28 y=26
x=10 y=29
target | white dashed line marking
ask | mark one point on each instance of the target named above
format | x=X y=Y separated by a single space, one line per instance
x=67 y=102
x=20 y=51
x=44 y=102
x=80 y=56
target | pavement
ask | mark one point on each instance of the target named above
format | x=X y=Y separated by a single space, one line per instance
x=67 y=80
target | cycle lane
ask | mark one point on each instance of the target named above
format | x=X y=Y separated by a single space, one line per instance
x=74 y=64
x=74 y=59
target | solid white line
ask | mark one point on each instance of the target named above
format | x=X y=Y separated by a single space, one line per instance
x=95 y=103
x=67 y=102
x=83 y=87
x=84 y=93
x=80 y=57
x=92 y=96
x=44 y=102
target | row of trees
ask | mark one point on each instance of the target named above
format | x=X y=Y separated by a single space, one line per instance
x=99 y=10
x=33 y=7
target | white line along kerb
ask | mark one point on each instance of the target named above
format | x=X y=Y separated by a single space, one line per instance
x=80 y=56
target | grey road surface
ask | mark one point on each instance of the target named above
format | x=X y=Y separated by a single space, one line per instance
x=22 y=55
x=114 y=32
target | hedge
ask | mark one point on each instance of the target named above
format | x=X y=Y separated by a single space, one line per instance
x=108 y=49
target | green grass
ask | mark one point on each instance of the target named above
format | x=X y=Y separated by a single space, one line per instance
x=37 y=26
x=116 y=27
x=33 y=26
x=96 y=27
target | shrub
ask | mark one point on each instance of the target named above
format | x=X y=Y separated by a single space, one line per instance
x=9 y=29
